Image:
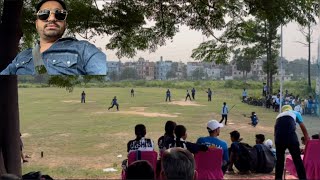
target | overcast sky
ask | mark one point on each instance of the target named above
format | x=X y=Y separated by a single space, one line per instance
x=181 y=46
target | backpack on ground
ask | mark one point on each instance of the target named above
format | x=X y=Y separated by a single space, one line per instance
x=246 y=157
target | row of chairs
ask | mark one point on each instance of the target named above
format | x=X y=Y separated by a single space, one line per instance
x=311 y=161
x=208 y=164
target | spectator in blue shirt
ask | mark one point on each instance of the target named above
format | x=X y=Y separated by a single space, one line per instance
x=212 y=141
x=53 y=54
x=244 y=95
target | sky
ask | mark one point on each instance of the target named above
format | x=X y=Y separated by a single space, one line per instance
x=181 y=46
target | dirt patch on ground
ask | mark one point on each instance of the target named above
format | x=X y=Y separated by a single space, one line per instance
x=76 y=101
x=64 y=135
x=148 y=114
x=185 y=103
x=139 y=109
x=141 y=112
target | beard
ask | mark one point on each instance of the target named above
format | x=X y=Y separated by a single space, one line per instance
x=53 y=33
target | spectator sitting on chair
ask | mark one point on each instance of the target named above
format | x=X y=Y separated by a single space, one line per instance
x=140 y=143
x=140 y=169
x=168 y=137
x=180 y=141
x=177 y=163
x=212 y=141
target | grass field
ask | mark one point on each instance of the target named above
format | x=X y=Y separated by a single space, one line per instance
x=80 y=140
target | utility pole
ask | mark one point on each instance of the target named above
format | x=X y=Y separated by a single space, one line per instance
x=281 y=69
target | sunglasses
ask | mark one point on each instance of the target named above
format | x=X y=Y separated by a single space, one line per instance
x=59 y=14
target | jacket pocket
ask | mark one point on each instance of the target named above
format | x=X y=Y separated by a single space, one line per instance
x=64 y=60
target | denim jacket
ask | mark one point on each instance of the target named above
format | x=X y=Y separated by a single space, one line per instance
x=67 y=56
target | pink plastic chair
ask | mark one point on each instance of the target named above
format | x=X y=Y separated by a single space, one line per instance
x=150 y=156
x=311 y=160
x=208 y=164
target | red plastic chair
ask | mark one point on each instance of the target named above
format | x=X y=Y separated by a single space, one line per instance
x=150 y=156
x=208 y=164
x=311 y=160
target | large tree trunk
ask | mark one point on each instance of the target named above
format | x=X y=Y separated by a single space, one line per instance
x=10 y=34
x=9 y=124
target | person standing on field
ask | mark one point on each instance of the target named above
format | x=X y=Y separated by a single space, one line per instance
x=83 y=97
x=224 y=113
x=193 y=93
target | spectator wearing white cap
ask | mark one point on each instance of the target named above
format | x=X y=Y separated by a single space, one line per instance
x=269 y=144
x=212 y=141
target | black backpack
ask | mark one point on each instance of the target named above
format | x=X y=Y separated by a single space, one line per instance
x=246 y=157
x=265 y=159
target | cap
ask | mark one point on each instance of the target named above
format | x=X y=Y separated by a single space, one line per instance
x=43 y=1
x=268 y=143
x=214 y=124
x=286 y=108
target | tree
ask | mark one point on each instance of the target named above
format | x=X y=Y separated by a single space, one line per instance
x=253 y=24
x=244 y=59
x=172 y=74
x=10 y=34
x=113 y=76
x=129 y=73
x=125 y=21
x=307 y=36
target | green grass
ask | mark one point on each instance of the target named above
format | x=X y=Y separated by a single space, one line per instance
x=79 y=140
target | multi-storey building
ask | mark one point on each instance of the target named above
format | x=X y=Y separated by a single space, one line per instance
x=145 y=69
x=114 y=66
x=162 y=68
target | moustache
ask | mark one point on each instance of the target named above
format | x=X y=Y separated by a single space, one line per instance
x=51 y=23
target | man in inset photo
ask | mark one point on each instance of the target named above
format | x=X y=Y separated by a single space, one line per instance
x=53 y=54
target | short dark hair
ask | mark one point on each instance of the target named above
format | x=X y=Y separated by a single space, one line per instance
x=178 y=163
x=43 y=1
x=260 y=137
x=140 y=131
x=235 y=135
x=140 y=169
x=315 y=136
x=180 y=131
x=169 y=127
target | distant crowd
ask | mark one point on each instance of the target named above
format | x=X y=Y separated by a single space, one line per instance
x=308 y=105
